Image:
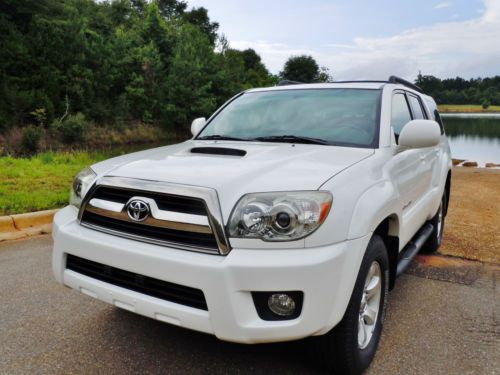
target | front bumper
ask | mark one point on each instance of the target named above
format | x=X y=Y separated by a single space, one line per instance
x=326 y=275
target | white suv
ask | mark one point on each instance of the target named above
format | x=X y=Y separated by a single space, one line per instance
x=289 y=214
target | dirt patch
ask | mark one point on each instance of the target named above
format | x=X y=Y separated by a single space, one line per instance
x=472 y=229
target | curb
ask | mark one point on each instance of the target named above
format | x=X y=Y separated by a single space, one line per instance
x=13 y=227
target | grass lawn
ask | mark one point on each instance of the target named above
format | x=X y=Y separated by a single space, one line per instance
x=467 y=108
x=41 y=182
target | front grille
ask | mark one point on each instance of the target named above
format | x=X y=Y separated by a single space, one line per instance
x=164 y=201
x=202 y=240
x=180 y=294
x=184 y=235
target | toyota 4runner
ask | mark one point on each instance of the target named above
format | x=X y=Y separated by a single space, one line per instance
x=289 y=214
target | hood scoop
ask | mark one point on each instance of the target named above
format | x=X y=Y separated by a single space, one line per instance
x=218 y=151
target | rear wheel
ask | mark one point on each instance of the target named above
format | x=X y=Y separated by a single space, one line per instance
x=435 y=239
x=350 y=346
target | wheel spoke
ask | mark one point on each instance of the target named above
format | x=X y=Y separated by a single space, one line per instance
x=372 y=287
x=361 y=332
x=369 y=316
x=371 y=272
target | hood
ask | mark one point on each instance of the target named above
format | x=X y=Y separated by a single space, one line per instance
x=236 y=168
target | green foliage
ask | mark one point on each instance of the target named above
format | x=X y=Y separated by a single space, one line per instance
x=40 y=116
x=199 y=18
x=189 y=80
x=460 y=91
x=40 y=182
x=30 y=140
x=72 y=129
x=324 y=75
x=302 y=69
x=485 y=103
x=115 y=61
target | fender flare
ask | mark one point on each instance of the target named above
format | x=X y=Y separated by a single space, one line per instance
x=377 y=203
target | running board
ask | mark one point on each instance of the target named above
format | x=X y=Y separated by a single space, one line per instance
x=413 y=247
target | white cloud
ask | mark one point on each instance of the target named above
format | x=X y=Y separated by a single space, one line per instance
x=444 y=4
x=447 y=49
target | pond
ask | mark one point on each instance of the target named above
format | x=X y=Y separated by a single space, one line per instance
x=474 y=138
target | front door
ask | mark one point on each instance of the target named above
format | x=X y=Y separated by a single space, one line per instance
x=412 y=172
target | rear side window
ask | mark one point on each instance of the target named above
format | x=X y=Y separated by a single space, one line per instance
x=435 y=113
x=416 y=108
x=400 y=112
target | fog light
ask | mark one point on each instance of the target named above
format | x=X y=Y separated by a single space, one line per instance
x=281 y=304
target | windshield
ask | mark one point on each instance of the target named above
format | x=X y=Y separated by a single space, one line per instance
x=330 y=116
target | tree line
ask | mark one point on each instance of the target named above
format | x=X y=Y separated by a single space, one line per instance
x=110 y=62
x=484 y=91
x=67 y=63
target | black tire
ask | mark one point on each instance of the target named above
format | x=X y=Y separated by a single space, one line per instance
x=339 y=350
x=436 y=237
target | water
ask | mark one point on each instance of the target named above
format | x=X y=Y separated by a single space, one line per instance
x=474 y=138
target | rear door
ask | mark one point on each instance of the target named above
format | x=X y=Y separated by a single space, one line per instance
x=433 y=114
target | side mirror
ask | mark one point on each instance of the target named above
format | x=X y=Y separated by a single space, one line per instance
x=197 y=124
x=419 y=134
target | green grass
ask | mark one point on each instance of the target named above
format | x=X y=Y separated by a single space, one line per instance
x=473 y=108
x=41 y=182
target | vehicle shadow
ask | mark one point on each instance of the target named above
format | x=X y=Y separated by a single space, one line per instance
x=152 y=346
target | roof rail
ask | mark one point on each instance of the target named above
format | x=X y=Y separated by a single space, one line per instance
x=404 y=82
x=287 y=82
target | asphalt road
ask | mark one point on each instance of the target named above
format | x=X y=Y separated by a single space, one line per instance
x=432 y=327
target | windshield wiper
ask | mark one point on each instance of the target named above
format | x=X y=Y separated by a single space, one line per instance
x=292 y=139
x=218 y=137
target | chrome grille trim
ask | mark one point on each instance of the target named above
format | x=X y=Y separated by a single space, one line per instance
x=212 y=223
x=158 y=218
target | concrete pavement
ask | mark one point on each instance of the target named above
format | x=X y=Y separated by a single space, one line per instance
x=446 y=326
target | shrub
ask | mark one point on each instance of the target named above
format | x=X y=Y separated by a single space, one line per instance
x=40 y=116
x=72 y=129
x=485 y=103
x=30 y=140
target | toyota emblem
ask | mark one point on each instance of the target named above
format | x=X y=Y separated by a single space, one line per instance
x=138 y=210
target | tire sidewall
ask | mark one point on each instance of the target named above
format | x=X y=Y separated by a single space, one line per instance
x=439 y=235
x=376 y=251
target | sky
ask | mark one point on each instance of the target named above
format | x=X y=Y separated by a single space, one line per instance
x=365 y=39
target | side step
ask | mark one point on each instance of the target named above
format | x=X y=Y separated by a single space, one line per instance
x=413 y=247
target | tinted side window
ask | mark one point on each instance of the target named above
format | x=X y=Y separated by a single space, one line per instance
x=400 y=112
x=435 y=113
x=416 y=108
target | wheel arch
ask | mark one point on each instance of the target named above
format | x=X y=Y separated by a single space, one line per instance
x=447 y=189
x=388 y=230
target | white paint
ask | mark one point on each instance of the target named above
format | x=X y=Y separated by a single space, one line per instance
x=367 y=187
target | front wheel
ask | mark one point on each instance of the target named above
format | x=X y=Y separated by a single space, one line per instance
x=350 y=346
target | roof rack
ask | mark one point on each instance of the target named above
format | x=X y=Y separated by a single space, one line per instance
x=360 y=80
x=392 y=79
x=404 y=82
x=287 y=82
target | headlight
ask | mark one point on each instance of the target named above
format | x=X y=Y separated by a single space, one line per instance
x=81 y=184
x=279 y=216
